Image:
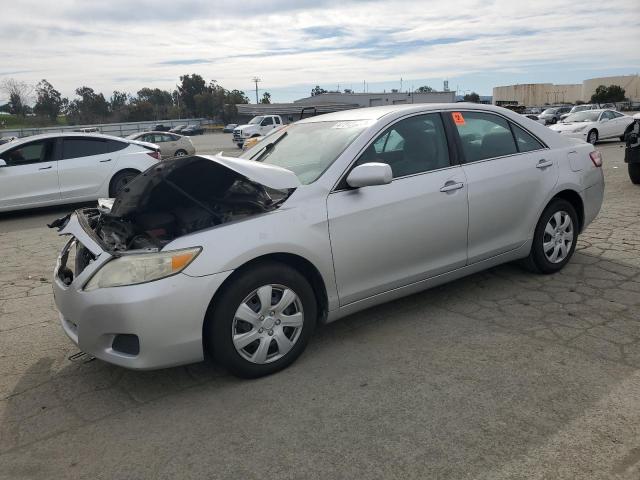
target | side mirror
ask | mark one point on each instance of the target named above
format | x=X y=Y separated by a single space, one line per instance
x=369 y=174
x=3 y=163
x=602 y=120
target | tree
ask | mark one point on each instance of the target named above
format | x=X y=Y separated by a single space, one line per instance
x=91 y=107
x=49 y=102
x=317 y=90
x=160 y=100
x=612 y=93
x=472 y=97
x=190 y=86
x=18 y=93
x=425 y=89
x=266 y=98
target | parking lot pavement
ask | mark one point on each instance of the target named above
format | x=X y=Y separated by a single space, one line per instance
x=213 y=143
x=501 y=375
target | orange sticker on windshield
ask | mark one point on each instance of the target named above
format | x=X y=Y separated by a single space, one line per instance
x=457 y=118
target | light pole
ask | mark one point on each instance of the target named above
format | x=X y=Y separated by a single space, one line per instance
x=256 y=80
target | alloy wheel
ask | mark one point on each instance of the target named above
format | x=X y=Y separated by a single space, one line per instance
x=267 y=324
x=558 y=237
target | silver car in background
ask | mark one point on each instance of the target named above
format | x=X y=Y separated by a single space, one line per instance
x=335 y=214
x=171 y=144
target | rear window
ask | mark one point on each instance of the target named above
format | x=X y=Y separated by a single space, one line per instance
x=87 y=147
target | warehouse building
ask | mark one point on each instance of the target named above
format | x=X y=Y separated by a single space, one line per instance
x=335 y=102
x=537 y=94
x=378 y=99
x=547 y=93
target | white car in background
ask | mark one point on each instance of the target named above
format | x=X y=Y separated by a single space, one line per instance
x=171 y=144
x=58 y=168
x=594 y=125
x=580 y=108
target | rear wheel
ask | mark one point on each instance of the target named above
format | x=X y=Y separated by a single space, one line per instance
x=634 y=173
x=555 y=237
x=120 y=181
x=262 y=320
x=592 y=138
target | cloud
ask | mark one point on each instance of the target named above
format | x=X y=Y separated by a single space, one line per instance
x=295 y=44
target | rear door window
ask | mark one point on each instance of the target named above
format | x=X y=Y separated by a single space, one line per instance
x=87 y=147
x=483 y=135
x=524 y=140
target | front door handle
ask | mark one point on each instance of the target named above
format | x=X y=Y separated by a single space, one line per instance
x=107 y=160
x=45 y=168
x=544 y=164
x=449 y=186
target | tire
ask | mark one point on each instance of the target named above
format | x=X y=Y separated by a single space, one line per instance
x=553 y=121
x=239 y=145
x=255 y=135
x=120 y=180
x=634 y=173
x=546 y=234
x=180 y=153
x=272 y=346
x=592 y=137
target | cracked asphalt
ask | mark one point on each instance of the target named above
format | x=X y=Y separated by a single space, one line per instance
x=501 y=375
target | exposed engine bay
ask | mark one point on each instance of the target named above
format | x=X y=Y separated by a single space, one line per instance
x=175 y=198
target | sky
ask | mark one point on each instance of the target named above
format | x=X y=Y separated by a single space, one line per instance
x=293 y=45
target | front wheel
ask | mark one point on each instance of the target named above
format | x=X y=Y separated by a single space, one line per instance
x=180 y=153
x=592 y=138
x=634 y=173
x=262 y=320
x=554 y=239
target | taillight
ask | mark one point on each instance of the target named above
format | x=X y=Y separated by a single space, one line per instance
x=596 y=158
x=155 y=154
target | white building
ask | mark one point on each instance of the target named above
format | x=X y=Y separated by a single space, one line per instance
x=377 y=99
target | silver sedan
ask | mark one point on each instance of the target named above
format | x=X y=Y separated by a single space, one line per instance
x=244 y=257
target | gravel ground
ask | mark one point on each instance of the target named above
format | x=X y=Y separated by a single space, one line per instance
x=501 y=375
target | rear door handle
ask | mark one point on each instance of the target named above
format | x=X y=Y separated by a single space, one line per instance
x=544 y=164
x=107 y=160
x=449 y=186
x=45 y=168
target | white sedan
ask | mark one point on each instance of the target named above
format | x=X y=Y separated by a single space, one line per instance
x=57 y=168
x=594 y=125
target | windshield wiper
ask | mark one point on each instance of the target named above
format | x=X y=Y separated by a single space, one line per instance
x=267 y=148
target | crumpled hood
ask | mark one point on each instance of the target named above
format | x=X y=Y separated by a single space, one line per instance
x=200 y=177
x=270 y=176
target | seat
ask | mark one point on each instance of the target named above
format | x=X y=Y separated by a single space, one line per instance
x=497 y=144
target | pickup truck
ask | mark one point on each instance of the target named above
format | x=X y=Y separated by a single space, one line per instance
x=257 y=127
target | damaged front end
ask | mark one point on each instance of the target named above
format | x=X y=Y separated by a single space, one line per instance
x=177 y=197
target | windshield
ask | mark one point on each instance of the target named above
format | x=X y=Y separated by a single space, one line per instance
x=586 y=116
x=580 y=108
x=255 y=120
x=307 y=149
x=550 y=111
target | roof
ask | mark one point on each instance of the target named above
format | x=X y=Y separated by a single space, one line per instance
x=374 y=113
x=43 y=136
x=290 y=108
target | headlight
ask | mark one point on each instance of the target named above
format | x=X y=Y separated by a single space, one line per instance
x=141 y=268
x=579 y=129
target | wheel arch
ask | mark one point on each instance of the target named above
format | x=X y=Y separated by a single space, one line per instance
x=575 y=200
x=297 y=262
